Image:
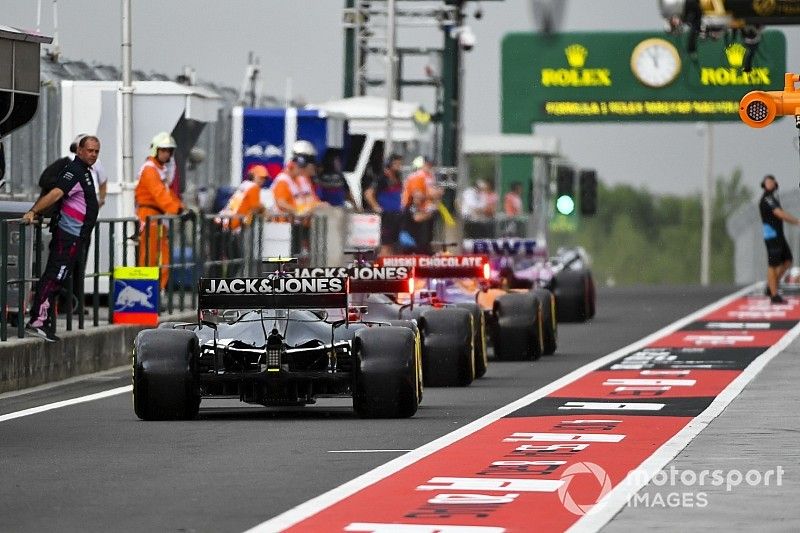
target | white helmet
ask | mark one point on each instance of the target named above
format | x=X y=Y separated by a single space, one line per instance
x=161 y=140
x=302 y=147
x=303 y=153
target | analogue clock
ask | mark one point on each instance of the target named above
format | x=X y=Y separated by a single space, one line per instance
x=655 y=62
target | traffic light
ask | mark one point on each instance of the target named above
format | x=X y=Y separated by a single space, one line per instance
x=565 y=190
x=588 y=184
x=759 y=108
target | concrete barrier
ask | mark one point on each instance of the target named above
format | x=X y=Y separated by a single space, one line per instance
x=31 y=361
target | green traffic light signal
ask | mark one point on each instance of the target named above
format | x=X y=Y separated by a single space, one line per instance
x=565 y=205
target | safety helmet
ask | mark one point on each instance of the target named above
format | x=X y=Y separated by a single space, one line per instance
x=302 y=147
x=161 y=140
x=303 y=153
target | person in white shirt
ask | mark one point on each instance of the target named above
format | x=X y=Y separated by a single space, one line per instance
x=478 y=205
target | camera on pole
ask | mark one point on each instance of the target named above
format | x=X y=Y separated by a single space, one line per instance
x=588 y=191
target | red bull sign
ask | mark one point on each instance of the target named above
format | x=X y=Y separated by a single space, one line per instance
x=135 y=295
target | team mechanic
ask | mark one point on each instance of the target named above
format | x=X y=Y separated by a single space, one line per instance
x=71 y=226
x=779 y=256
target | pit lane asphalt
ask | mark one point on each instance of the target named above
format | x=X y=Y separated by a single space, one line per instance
x=95 y=467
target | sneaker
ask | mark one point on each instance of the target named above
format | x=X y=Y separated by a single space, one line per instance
x=777 y=299
x=40 y=332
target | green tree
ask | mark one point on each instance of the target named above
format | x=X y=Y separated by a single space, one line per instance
x=639 y=237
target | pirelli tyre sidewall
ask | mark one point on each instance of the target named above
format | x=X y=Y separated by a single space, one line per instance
x=413 y=326
x=386 y=373
x=165 y=385
x=447 y=351
x=547 y=303
x=519 y=329
x=574 y=290
x=478 y=338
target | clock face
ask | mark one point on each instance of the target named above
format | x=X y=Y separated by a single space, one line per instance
x=655 y=62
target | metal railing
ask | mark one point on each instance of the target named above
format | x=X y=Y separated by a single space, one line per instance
x=195 y=246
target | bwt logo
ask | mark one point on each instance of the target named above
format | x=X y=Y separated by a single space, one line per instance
x=510 y=247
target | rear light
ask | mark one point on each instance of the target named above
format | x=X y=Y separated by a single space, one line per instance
x=274 y=351
x=436 y=302
x=487 y=271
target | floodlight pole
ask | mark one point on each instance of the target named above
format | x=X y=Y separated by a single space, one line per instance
x=705 y=239
x=127 y=97
x=390 y=73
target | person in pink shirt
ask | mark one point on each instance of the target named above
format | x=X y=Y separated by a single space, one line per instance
x=512 y=203
x=489 y=199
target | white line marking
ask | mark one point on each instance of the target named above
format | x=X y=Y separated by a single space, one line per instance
x=315 y=505
x=614 y=501
x=366 y=451
x=66 y=403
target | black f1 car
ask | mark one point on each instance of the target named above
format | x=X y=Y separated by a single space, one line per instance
x=266 y=341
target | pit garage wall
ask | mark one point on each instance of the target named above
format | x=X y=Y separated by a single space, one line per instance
x=744 y=228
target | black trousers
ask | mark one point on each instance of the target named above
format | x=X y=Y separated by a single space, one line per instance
x=66 y=250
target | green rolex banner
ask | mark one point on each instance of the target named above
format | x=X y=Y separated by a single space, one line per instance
x=630 y=77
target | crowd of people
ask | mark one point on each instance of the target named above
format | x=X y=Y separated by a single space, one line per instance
x=74 y=189
x=479 y=209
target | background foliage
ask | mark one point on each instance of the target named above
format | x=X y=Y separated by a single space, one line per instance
x=638 y=237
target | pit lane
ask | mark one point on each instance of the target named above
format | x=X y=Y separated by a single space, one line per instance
x=94 y=466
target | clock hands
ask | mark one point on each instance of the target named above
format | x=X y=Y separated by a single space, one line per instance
x=653 y=53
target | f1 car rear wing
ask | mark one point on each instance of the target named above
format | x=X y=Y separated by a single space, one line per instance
x=442 y=266
x=511 y=247
x=273 y=292
x=365 y=279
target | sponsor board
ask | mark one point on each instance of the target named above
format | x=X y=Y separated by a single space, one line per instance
x=364 y=230
x=361 y=273
x=556 y=459
x=367 y=279
x=275 y=292
x=515 y=247
x=441 y=266
x=135 y=295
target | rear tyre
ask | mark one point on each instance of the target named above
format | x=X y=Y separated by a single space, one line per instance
x=412 y=325
x=478 y=338
x=386 y=373
x=549 y=323
x=447 y=353
x=573 y=290
x=165 y=385
x=519 y=330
